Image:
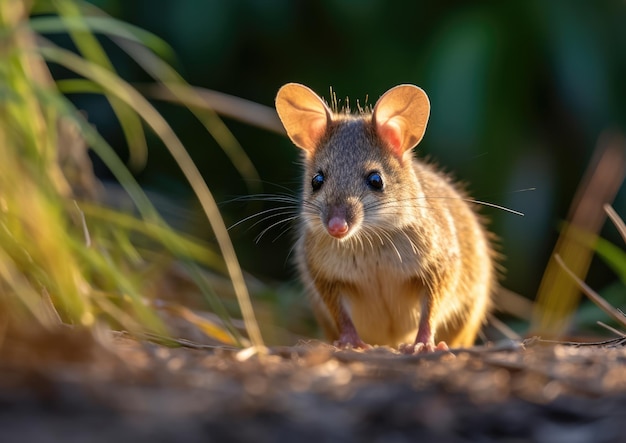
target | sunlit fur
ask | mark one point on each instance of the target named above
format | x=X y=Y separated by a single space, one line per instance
x=405 y=262
x=405 y=240
x=416 y=235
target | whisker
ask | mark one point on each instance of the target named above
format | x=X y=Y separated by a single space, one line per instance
x=283 y=232
x=375 y=231
x=368 y=237
x=291 y=250
x=500 y=194
x=269 y=217
x=258 y=214
x=281 y=198
x=398 y=203
x=480 y=202
x=359 y=239
x=523 y=190
x=264 y=231
x=493 y=205
x=413 y=245
x=393 y=245
x=394 y=204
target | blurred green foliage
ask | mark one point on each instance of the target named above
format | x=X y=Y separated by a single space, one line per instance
x=65 y=258
x=520 y=92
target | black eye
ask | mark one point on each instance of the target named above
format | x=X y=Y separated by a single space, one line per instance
x=318 y=181
x=375 y=181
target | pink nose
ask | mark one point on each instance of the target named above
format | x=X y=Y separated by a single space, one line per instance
x=337 y=227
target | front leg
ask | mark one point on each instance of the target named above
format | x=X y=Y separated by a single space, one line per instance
x=346 y=333
x=425 y=338
x=348 y=336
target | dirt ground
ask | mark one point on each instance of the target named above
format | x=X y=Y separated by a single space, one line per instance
x=76 y=388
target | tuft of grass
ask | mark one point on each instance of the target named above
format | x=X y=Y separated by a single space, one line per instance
x=63 y=256
x=559 y=295
x=616 y=258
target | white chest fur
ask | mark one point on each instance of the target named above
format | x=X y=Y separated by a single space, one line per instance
x=380 y=284
x=384 y=309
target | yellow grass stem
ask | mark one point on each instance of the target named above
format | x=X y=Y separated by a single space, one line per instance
x=91 y=50
x=131 y=97
x=559 y=294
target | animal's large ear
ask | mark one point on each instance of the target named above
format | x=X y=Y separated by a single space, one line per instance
x=304 y=115
x=400 y=117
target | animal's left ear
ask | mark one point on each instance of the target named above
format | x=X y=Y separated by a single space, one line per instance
x=400 y=117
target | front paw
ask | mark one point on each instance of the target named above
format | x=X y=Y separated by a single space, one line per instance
x=351 y=343
x=422 y=348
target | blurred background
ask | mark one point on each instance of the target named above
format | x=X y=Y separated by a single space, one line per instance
x=520 y=93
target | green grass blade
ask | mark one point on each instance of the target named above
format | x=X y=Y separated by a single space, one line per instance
x=154 y=64
x=214 y=125
x=129 y=95
x=103 y=25
x=91 y=50
x=152 y=225
x=613 y=256
x=182 y=246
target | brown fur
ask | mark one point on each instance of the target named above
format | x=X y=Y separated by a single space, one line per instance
x=416 y=265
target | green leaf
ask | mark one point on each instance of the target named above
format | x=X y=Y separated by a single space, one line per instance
x=613 y=256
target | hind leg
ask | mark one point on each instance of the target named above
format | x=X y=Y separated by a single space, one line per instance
x=462 y=332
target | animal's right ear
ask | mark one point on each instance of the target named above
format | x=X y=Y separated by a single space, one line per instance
x=304 y=115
